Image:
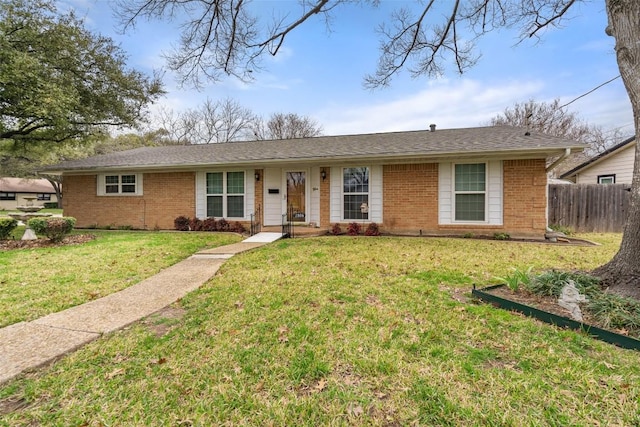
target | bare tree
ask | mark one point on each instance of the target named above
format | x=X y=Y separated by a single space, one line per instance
x=178 y=127
x=212 y=122
x=287 y=126
x=549 y=118
x=223 y=37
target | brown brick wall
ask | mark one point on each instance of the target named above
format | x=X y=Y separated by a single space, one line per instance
x=325 y=198
x=258 y=199
x=410 y=197
x=411 y=200
x=525 y=196
x=166 y=196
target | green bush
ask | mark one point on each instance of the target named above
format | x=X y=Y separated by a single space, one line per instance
x=7 y=225
x=53 y=228
x=51 y=205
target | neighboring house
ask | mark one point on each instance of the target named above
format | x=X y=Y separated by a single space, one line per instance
x=478 y=180
x=22 y=191
x=613 y=166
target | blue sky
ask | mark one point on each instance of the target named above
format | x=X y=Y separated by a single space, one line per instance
x=319 y=73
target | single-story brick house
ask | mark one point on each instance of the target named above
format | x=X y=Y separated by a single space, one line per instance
x=477 y=180
x=23 y=191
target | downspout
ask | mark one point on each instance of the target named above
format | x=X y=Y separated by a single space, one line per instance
x=552 y=166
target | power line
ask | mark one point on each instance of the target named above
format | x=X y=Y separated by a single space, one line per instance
x=591 y=91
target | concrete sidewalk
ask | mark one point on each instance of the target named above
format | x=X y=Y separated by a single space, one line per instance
x=28 y=345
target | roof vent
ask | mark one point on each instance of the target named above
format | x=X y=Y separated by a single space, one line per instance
x=432 y=127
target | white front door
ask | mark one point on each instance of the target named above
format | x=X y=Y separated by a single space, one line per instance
x=286 y=192
x=273 y=194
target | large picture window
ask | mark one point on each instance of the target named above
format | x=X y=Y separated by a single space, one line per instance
x=355 y=182
x=470 y=192
x=7 y=196
x=225 y=194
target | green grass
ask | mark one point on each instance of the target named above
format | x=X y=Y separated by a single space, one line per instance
x=36 y=282
x=345 y=331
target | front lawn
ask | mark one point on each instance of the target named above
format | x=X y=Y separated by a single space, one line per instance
x=36 y=282
x=345 y=331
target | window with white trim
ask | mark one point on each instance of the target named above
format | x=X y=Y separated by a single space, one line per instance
x=225 y=194
x=470 y=192
x=126 y=184
x=355 y=193
x=607 y=179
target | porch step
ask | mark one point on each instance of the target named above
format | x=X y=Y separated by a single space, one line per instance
x=264 y=238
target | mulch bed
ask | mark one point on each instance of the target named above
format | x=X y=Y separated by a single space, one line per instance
x=76 y=239
x=548 y=304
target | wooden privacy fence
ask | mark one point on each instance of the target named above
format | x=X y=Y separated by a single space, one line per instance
x=589 y=207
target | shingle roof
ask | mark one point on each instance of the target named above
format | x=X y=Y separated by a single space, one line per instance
x=25 y=185
x=393 y=145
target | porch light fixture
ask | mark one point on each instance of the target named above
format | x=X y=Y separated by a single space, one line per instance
x=257 y=176
x=323 y=174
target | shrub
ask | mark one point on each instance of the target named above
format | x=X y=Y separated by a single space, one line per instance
x=353 y=229
x=195 y=224
x=238 y=227
x=501 y=236
x=223 y=225
x=53 y=228
x=181 y=223
x=51 y=205
x=372 y=230
x=209 y=224
x=7 y=225
x=336 y=230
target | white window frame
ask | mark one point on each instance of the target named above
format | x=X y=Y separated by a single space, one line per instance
x=225 y=194
x=454 y=193
x=102 y=185
x=343 y=194
x=603 y=178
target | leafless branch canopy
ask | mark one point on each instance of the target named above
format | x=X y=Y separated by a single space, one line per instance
x=226 y=37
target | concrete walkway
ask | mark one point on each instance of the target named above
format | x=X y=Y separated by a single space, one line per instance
x=28 y=345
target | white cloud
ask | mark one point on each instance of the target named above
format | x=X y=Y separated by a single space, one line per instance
x=448 y=104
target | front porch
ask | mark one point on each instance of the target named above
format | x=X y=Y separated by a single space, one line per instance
x=297 y=230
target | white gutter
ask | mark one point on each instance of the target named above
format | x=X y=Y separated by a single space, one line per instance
x=552 y=166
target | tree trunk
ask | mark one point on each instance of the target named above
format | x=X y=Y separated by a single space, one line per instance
x=58 y=189
x=622 y=273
